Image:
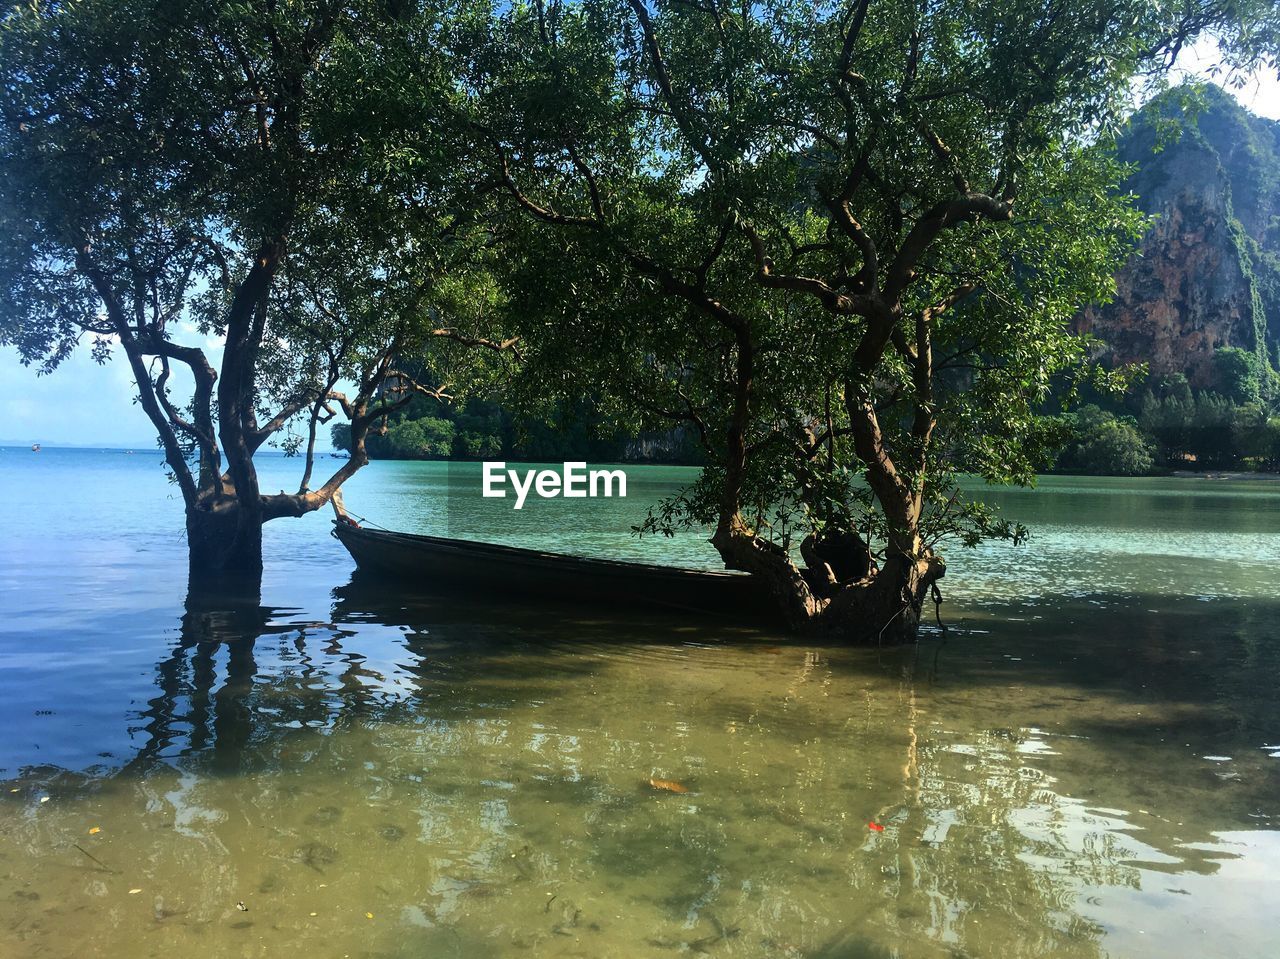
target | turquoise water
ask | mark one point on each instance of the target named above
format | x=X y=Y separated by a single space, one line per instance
x=1087 y=765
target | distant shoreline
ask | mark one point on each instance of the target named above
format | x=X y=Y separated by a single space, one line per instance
x=140 y=449
x=1211 y=475
x=1178 y=474
x=1224 y=475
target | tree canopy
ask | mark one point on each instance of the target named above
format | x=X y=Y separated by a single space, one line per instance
x=839 y=242
x=179 y=179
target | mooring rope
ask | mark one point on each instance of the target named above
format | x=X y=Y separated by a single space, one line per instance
x=341 y=512
x=936 y=596
x=365 y=521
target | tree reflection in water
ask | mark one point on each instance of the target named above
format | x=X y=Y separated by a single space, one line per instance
x=476 y=779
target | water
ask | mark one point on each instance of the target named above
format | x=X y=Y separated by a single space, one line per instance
x=1087 y=766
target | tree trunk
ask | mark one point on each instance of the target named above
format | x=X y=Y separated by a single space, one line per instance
x=224 y=539
x=881 y=606
x=742 y=550
x=885 y=608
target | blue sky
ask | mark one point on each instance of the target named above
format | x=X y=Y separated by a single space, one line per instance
x=87 y=404
x=83 y=403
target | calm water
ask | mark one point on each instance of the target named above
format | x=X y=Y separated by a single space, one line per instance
x=1088 y=765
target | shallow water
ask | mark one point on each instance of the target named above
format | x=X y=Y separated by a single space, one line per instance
x=1088 y=764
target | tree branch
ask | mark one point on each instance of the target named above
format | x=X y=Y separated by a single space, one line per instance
x=680 y=111
x=511 y=344
x=827 y=295
x=966 y=209
x=146 y=393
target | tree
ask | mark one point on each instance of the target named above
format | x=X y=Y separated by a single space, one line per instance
x=1238 y=373
x=174 y=172
x=841 y=241
x=1106 y=445
x=1167 y=414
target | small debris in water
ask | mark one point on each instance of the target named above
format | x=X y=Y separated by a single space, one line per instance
x=668 y=785
x=875 y=827
x=317 y=854
x=44 y=798
x=569 y=915
x=242 y=907
x=368 y=915
x=134 y=892
x=325 y=816
x=93 y=831
x=88 y=855
x=161 y=913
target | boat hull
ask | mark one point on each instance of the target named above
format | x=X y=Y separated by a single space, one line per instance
x=433 y=564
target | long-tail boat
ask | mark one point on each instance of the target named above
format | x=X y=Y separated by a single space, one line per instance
x=437 y=564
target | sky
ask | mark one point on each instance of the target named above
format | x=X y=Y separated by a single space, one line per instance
x=84 y=404
x=1259 y=93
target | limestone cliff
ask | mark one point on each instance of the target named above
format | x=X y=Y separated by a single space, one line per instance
x=1207 y=274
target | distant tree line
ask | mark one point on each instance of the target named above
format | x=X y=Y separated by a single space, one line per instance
x=477 y=428
x=1170 y=426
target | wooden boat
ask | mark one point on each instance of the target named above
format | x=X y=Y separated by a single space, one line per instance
x=436 y=564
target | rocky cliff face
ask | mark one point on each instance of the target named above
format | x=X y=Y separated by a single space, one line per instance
x=1207 y=274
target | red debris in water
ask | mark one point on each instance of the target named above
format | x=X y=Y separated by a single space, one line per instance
x=875 y=827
